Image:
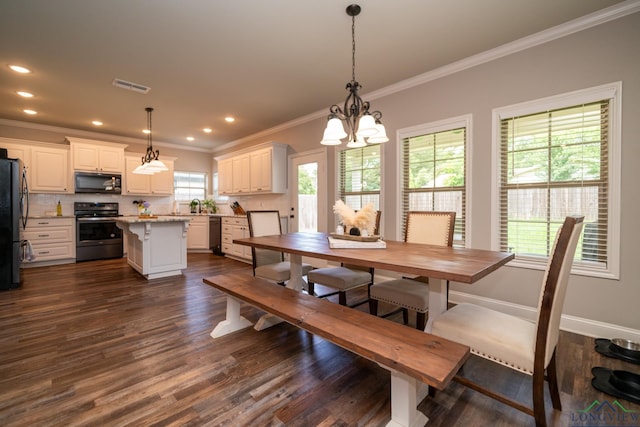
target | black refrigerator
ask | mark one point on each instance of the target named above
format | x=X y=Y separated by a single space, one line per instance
x=13 y=200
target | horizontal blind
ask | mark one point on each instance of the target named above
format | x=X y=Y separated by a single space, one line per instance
x=189 y=185
x=360 y=177
x=434 y=176
x=554 y=164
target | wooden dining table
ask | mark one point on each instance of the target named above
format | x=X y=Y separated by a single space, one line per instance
x=439 y=263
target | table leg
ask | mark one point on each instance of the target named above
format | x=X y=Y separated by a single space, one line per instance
x=437 y=300
x=296 y=282
x=404 y=403
x=233 y=322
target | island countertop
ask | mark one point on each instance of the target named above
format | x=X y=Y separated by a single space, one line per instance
x=159 y=218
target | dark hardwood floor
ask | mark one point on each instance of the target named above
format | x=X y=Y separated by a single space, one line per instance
x=94 y=344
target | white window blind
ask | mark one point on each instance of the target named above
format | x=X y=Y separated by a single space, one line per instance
x=189 y=185
x=553 y=164
x=359 y=180
x=434 y=175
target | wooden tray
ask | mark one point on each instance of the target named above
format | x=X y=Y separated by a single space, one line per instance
x=147 y=216
x=373 y=238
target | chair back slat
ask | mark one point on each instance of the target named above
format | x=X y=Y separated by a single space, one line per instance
x=430 y=227
x=554 y=288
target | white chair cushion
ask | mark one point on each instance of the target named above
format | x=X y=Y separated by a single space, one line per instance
x=506 y=339
x=339 y=277
x=405 y=293
x=280 y=271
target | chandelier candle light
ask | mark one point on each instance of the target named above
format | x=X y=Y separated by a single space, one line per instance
x=358 y=121
x=150 y=163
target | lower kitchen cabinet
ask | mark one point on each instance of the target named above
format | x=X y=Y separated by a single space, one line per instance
x=52 y=239
x=198 y=234
x=235 y=227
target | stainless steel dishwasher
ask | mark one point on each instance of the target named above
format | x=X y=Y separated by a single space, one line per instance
x=215 y=235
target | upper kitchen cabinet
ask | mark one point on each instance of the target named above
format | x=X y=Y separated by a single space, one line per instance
x=262 y=169
x=96 y=156
x=17 y=149
x=158 y=184
x=50 y=170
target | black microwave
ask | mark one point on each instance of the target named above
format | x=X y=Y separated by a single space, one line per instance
x=89 y=182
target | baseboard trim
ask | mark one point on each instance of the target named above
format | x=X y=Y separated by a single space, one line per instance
x=578 y=325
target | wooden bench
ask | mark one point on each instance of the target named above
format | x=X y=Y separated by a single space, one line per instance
x=409 y=354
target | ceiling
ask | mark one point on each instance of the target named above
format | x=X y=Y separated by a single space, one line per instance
x=263 y=62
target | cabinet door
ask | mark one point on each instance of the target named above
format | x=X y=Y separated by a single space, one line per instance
x=241 y=174
x=110 y=159
x=22 y=152
x=85 y=157
x=225 y=176
x=162 y=182
x=198 y=233
x=136 y=184
x=49 y=170
x=261 y=170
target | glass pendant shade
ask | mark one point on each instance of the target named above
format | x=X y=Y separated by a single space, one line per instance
x=367 y=126
x=358 y=143
x=157 y=166
x=143 y=170
x=379 y=137
x=335 y=128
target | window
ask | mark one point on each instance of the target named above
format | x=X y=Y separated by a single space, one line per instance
x=189 y=185
x=359 y=179
x=434 y=170
x=555 y=162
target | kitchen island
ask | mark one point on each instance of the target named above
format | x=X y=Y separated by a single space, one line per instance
x=156 y=246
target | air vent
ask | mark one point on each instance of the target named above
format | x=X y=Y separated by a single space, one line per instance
x=123 y=84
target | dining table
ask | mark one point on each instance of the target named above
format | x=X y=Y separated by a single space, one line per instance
x=440 y=264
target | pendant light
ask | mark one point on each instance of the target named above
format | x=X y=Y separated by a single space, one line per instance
x=354 y=121
x=150 y=163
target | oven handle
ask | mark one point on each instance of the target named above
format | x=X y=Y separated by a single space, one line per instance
x=96 y=219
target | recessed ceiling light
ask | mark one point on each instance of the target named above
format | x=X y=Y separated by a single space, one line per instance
x=30 y=112
x=190 y=138
x=97 y=123
x=146 y=131
x=207 y=130
x=229 y=119
x=24 y=94
x=20 y=69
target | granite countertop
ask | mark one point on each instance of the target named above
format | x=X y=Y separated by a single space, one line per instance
x=160 y=218
x=49 y=216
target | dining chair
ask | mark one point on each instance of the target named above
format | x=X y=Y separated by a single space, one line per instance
x=427 y=227
x=269 y=264
x=343 y=278
x=519 y=344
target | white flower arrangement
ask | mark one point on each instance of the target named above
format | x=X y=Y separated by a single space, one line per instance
x=364 y=219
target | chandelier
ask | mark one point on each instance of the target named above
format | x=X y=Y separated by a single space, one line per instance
x=150 y=163
x=354 y=120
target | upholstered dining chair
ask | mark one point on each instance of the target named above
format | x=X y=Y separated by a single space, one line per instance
x=522 y=345
x=428 y=227
x=343 y=278
x=269 y=264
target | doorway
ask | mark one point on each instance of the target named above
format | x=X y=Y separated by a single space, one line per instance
x=308 y=172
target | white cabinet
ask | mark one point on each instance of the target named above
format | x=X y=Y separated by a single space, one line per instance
x=52 y=239
x=18 y=150
x=260 y=170
x=225 y=176
x=158 y=184
x=87 y=155
x=234 y=227
x=49 y=170
x=198 y=233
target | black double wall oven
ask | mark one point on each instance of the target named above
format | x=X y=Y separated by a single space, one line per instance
x=97 y=236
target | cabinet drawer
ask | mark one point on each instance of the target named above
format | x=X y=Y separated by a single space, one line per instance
x=50 y=222
x=240 y=221
x=48 y=234
x=51 y=251
x=226 y=248
x=227 y=228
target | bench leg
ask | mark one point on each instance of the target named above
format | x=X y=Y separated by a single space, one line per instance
x=404 y=394
x=233 y=322
x=437 y=300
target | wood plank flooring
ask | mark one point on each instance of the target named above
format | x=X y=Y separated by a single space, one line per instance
x=94 y=344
